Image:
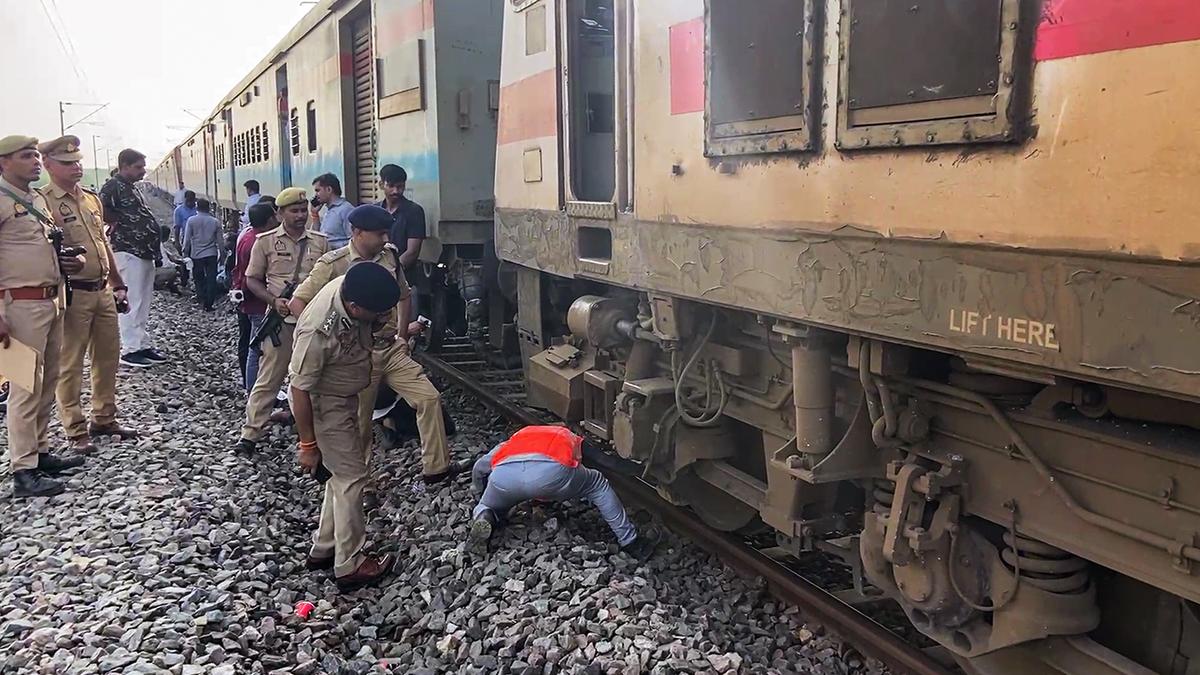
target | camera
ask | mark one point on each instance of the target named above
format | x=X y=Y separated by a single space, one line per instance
x=424 y=322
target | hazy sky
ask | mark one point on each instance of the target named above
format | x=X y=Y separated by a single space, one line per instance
x=147 y=58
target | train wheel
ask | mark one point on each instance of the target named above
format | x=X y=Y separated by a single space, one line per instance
x=715 y=507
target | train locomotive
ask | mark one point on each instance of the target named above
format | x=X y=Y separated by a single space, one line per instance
x=911 y=281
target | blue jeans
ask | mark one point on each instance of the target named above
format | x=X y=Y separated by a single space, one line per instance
x=252 y=354
x=523 y=478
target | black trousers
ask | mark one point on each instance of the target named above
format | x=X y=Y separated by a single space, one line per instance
x=204 y=273
x=243 y=344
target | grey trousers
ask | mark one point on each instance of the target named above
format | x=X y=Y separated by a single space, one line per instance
x=524 y=478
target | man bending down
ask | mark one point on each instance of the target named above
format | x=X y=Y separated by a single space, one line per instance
x=542 y=462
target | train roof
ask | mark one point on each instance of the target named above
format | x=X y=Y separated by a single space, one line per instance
x=309 y=21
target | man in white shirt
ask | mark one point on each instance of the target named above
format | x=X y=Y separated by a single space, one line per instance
x=179 y=194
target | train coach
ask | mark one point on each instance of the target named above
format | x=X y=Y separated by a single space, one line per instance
x=355 y=86
x=913 y=281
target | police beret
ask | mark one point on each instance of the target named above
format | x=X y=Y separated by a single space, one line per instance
x=62 y=149
x=11 y=144
x=370 y=286
x=289 y=196
x=371 y=218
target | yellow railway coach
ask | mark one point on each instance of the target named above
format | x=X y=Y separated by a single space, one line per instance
x=914 y=281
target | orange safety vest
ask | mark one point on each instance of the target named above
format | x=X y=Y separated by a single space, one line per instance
x=557 y=443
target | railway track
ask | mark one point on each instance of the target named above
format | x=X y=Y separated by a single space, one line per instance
x=503 y=390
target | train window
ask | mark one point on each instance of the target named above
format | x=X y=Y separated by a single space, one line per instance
x=266 y=136
x=930 y=72
x=295 y=131
x=312 y=126
x=535 y=30
x=761 y=76
x=255 y=146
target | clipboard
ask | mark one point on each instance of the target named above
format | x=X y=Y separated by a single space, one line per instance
x=19 y=364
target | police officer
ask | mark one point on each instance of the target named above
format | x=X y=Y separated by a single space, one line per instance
x=369 y=225
x=280 y=257
x=331 y=365
x=31 y=303
x=90 y=325
x=543 y=462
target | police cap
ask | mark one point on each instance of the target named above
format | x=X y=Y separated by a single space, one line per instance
x=62 y=149
x=289 y=196
x=371 y=218
x=370 y=286
x=11 y=144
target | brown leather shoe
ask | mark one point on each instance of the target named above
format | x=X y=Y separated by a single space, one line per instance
x=370 y=571
x=314 y=564
x=81 y=444
x=113 y=429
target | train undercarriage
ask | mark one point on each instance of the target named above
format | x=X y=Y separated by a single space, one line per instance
x=1022 y=520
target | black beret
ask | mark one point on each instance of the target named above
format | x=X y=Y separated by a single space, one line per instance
x=371 y=218
x=370 y=286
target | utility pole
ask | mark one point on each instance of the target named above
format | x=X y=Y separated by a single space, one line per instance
x=62 y=111
x=95 y=163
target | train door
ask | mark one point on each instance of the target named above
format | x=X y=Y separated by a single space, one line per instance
x=283 y=108
x=228 y=191
x=596 y=57
x=363 y=110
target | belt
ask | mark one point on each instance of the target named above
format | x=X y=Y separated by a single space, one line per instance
x=31 y=293
x=91 y=286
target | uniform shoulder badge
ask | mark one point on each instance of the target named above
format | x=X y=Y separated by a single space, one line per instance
x=334 y=255
x=330 y=322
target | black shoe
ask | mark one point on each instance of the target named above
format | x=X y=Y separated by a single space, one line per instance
x=154 y=355
x=370 y=501
x=643 y=547
x=481 y=532
x=31 y=483
x=52 y=464
x=451 y=471
x=136 y=360
x=244 y=446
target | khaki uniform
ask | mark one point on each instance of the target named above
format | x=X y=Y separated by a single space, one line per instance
x=392 y=363
x=28 y=262
x=278 y=259
x=332 y=362
x=90 y=326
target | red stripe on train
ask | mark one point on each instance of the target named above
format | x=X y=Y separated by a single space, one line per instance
x=529 y=108
x=1076 y=27
x=405 y=24
x=687 y=67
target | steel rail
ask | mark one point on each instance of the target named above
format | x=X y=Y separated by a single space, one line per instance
x=860 y=631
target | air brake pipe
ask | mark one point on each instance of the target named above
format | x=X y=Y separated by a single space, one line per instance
x=1173 y=548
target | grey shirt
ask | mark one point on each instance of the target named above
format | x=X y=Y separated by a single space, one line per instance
x=202 y=237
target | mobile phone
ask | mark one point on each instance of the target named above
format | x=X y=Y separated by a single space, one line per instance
x=322 y=474
x=424 y=321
